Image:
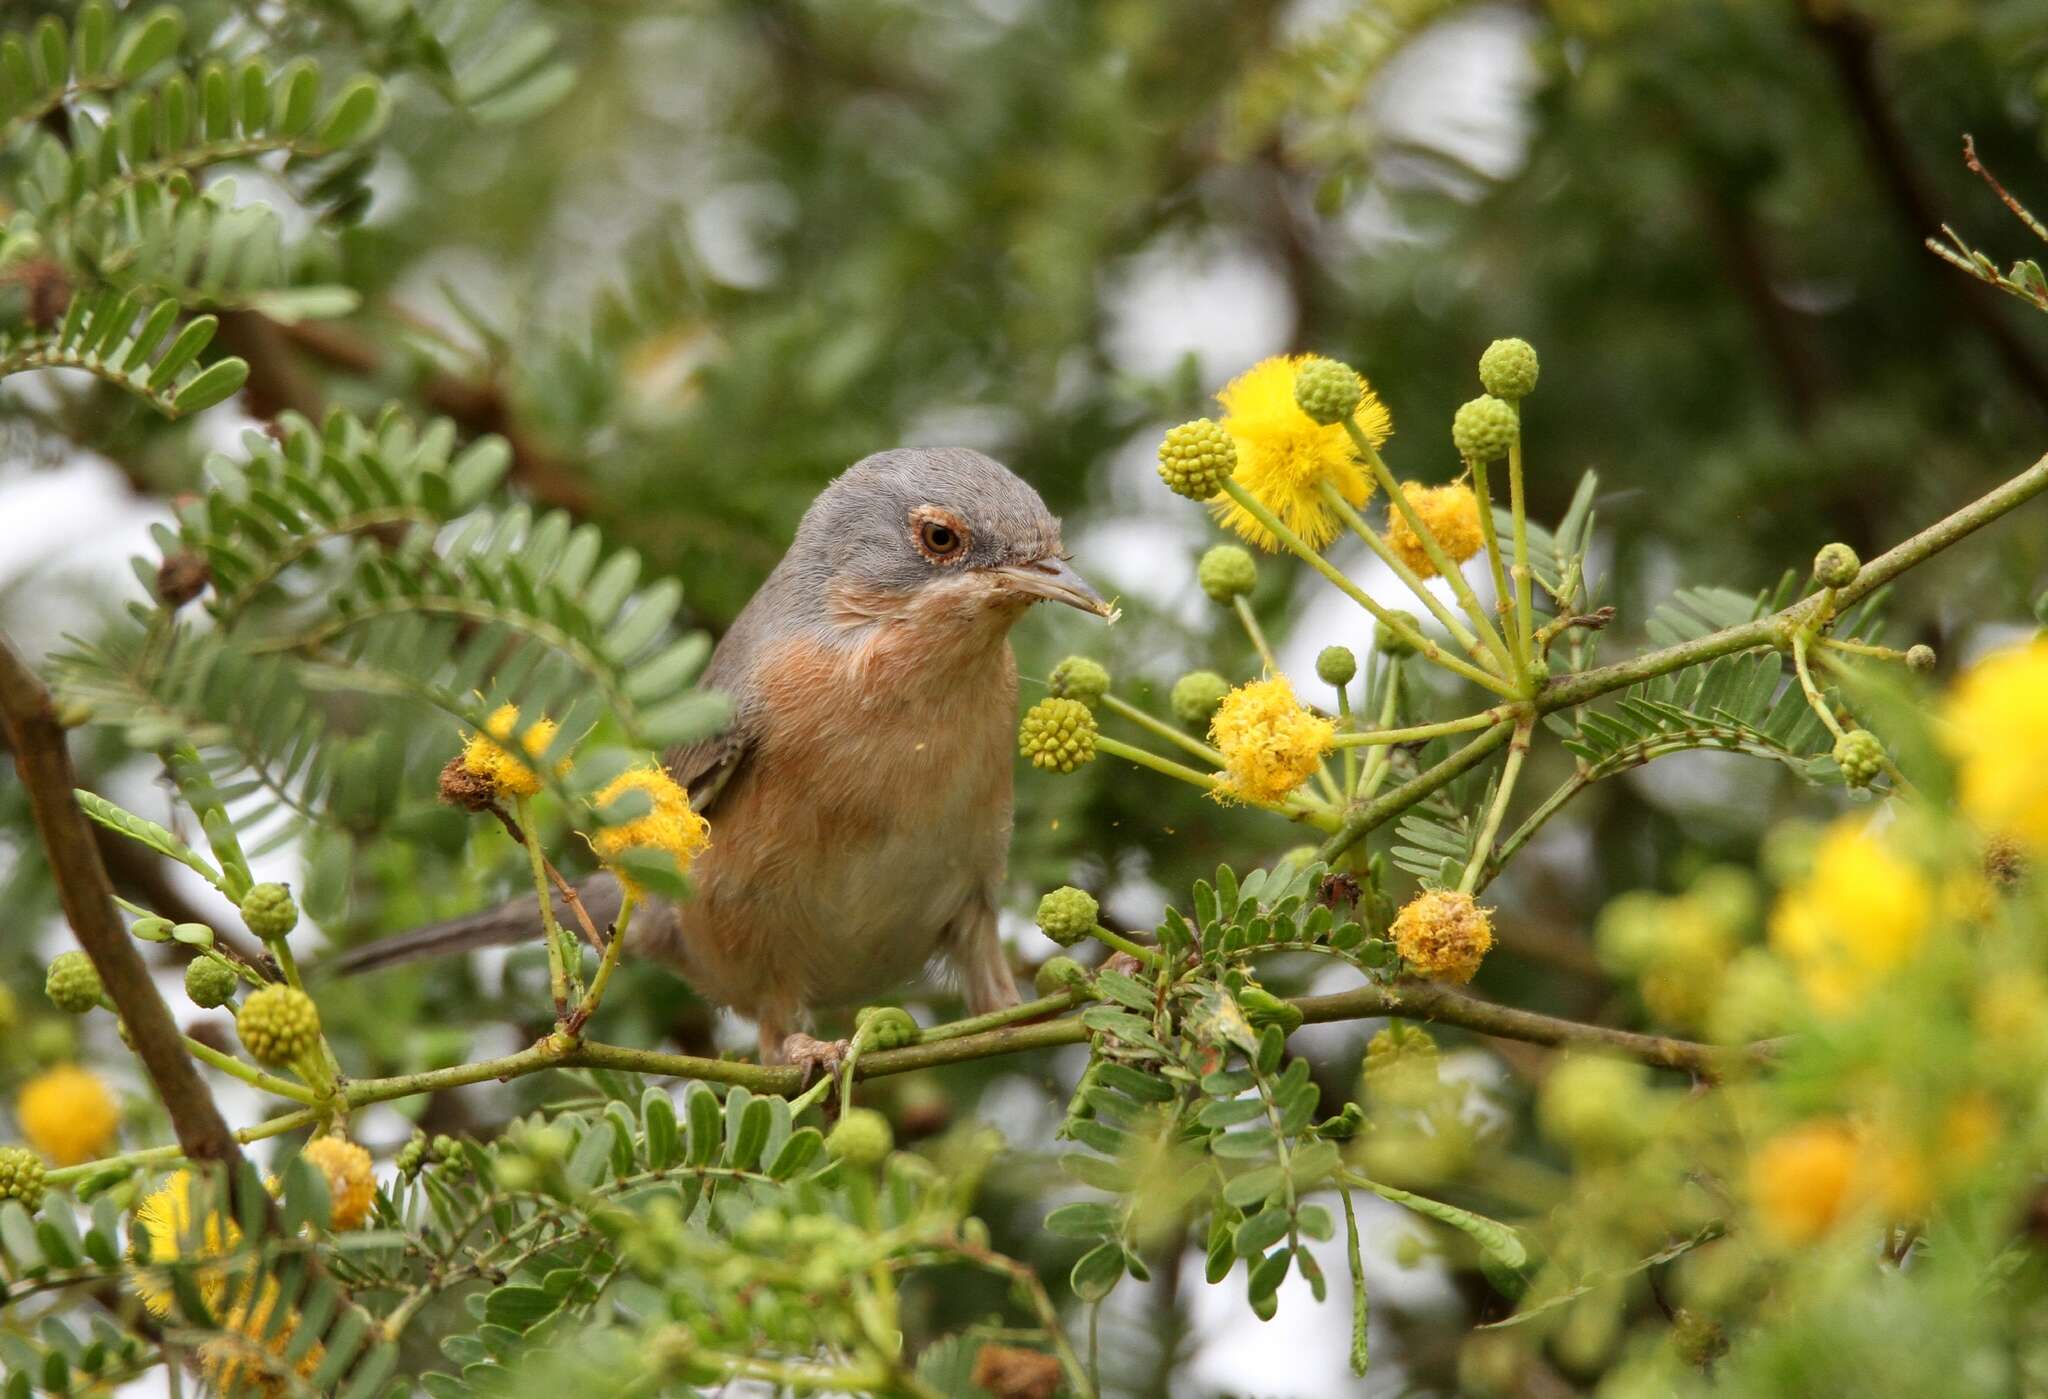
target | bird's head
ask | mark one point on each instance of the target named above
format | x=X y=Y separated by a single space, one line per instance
x=938 y=532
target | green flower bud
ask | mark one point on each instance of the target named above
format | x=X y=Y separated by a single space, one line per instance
x=1195 y=459
x=1227 y=572
x=412 y=1156
x=1057 y=735
x=51 y=1041
x=1196 y=696
x=152 y=929
x=1485 y=428
x=670 y=1350
x=269 y=911
x=1327 y=391
x=1596 y=1105
x=1397 y=1045
x=1079 y=678
x=209 y=982
x=887 y=1027
x=73 y=983
x=1836 y=565
x=1409 y=1251
x=1508 y=369
x=1860 y=757
x=1057 y=974
x=446 y=1148
x=862 y=1138
x=278 y=1024
x=1390 y=641
x=21 y=1176
x=1335 y=665
x=1067 y=915
x=1920 y=659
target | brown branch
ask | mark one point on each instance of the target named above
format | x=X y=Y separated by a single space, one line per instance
x=44 y=765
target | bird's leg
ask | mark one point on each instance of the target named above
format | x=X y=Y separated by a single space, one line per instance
x=983 y=962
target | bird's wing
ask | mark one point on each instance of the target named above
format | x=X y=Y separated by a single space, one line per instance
x=705 y=768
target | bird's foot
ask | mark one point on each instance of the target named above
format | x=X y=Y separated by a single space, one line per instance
x=814 y=1056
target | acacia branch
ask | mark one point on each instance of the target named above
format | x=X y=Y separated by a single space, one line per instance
x=44 y=765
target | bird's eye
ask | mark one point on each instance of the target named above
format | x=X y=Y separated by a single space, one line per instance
x=939 y=535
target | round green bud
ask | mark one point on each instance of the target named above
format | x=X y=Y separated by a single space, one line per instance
x=210 y=982
x=886 y=1027
x=862 y=1138
x=73 y=983
x=1079 y=678
x=21 y=1176
x=445 y=1148
x=1409 y=1251
x=1860 y=757
x=1327 y=391
x=51 y=1041
x=1057 y=974
x=278 y=1024
x=1067 y=915
x=1397 y=1045
x=269 y=911
x=1195 y=459
x=1057 y=735
x=1836 y=565
x=1335 y=665
x=1920 y=659
x=1508 y=369
x=1227 y=571
x=1485 y=428
x=1196 y=696
x=412 y=1156
x=1596 y=1105
x=1392 y=642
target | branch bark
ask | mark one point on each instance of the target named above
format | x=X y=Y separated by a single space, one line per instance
x=44 y=765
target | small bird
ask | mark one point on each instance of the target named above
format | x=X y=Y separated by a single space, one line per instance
x=860 y=800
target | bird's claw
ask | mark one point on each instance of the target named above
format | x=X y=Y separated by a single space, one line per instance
x=814 y=1055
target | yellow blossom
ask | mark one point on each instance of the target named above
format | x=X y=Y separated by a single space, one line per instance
x=167 y=1214
x=1800 y=1180
x=1271 y=745
x=669 y=825
x=1997 y=732
x=1441 y=933
x=68 y=1115
x=351 y=1185
x=247 y=1360
x=1451 y=514
x=1858 y=915
x=1283 y=456
x=485 y=757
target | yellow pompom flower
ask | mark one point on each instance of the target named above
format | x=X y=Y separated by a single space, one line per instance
x=1442 y=933
x=1270 y=744
x=1452 y=515
x=351 y=1185
x=173 y=1234
x=1284 y=456
x=486 y=756
x=1800 y=1181
x=669 y=825
x=247 y=1360
x=1997 y=732
x=68 y=1115
x=1857 y=915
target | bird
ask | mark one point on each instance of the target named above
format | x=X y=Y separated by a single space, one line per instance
x=860 y=799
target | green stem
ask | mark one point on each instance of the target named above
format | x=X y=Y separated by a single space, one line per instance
x=1009 y=1015
x=171 y=1154
x=1488 y=654
x=1859 y=648
x=551 y=932
x=1525 y=620
x=250 y=1074
x=1379 y=762
x=1812 y=691
x=1163 y=729
x=606 y=965
x=1350 y=757
x=1397 y=499
x=1360 y=820
x=1295 y=808
x=1255 y=632
x=1370 y=738
x=1148 y=955
x=1518 y=748
x=1490 y=532
x=1389 y=619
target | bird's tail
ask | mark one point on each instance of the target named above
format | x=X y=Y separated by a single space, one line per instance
x=502 y=926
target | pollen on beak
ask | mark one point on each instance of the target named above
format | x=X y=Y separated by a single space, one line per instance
x=1054 y=581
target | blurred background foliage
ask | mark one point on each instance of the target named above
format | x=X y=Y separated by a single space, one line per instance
x=692 y=259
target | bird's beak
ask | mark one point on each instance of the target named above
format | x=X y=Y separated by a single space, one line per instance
x=1052 y=580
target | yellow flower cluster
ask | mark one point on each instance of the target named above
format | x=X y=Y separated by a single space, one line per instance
x=1859 y=914
x=1270 y=744
x=669 y=825
x=247 y=1360
x=1441 y=933
x=1800 y=1180
x=1451 y=514
x=68 y=1115
x=1284 y=456
x=351 y=1185
x=486 y=756
x=167 y=1214
x=1997 y=732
